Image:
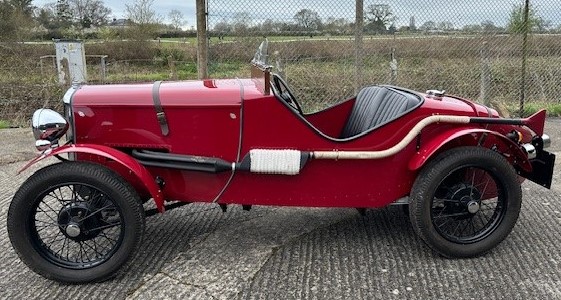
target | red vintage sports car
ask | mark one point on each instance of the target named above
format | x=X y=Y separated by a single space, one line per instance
x=456 y=165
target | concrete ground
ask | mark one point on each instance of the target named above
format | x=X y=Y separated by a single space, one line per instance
x=198 y=252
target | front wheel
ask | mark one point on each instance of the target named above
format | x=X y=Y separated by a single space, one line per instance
x=465 y=202
x=75 y=222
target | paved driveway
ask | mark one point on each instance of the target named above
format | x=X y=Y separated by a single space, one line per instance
x=198 y=252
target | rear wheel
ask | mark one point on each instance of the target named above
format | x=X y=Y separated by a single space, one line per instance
x=465 y=202
x=75 y=222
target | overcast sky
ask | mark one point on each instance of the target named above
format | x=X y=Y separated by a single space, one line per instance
x=162 y=7
x=459 y=12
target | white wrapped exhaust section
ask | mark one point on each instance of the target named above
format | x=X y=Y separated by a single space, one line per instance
x=267 y=161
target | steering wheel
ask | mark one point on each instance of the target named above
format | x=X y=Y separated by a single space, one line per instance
x=284 y=92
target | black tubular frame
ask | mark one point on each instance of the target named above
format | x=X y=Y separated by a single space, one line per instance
x=182 y=162
x=481 y=120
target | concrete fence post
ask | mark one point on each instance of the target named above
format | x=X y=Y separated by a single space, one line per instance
x=393 y=67
x=485 y=89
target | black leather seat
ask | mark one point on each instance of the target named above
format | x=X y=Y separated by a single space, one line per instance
x=377 y=105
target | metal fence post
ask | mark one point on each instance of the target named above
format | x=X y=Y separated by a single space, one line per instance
x=485 y=89
x=103 y=68
x=172 y=68
x=359 y=23
x=393 y=67
x=202 y=41
x=526 y=29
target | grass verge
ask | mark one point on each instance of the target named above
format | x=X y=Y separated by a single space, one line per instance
x=553 y=109
x=4 y=124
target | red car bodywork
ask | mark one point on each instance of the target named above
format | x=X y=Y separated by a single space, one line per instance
x=455 y=165
x=227 y=118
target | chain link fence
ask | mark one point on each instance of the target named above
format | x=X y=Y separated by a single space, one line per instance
x=502 y=53
x=493 y=52
x=29 y=79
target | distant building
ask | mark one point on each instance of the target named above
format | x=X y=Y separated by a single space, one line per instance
x=120 y=23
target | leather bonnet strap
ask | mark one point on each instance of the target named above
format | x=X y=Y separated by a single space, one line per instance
x=160 y=115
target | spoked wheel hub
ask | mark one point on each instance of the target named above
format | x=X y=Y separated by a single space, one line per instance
x=76 y=225
x=73 y=230
x=79 y=222
x=468 y=200
x=468 y=205
x=473 y=207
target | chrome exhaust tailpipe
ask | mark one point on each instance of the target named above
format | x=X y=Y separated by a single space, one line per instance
x=530 y=150
x=546 y=141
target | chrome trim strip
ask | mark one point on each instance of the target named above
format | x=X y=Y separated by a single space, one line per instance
x=67 y=98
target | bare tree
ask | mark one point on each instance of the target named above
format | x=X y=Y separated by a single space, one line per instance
x=428 y=26
x=146 y=23
x=222 y=28
x=489 y=27
x=336 y=25
x=90 y=12
x=268 y=26
x=379 y=17
x=242 y=21
x=446 y=26
x=141 y=12
x=177 y=19
x=307 y=19
x=63 y=14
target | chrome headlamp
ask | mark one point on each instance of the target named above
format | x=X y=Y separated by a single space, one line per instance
x=48 y=127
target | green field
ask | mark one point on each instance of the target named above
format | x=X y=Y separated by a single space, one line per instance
x=320 y=70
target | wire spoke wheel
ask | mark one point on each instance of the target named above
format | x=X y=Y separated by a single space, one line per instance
x=468 y=205
x=76 y=225
x=465 y=201
x=75 y=222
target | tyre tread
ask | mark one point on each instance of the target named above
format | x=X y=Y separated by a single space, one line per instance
x=422 y=187
x=51 y=175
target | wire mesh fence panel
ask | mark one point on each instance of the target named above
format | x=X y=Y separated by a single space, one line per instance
x=29 y=74
x=496 y=52
x=23 y=82
x=328 y=49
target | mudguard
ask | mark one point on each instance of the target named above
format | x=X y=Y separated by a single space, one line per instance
x=122 y=158
x=428 y=150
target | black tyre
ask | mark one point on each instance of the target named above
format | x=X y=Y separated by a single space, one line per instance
x=75 y=222
x=465 y=202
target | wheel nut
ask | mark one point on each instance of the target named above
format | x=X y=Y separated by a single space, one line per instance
x=473 y=207
x=73 y=230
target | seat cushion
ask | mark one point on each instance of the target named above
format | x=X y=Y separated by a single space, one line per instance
x=377 y=105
